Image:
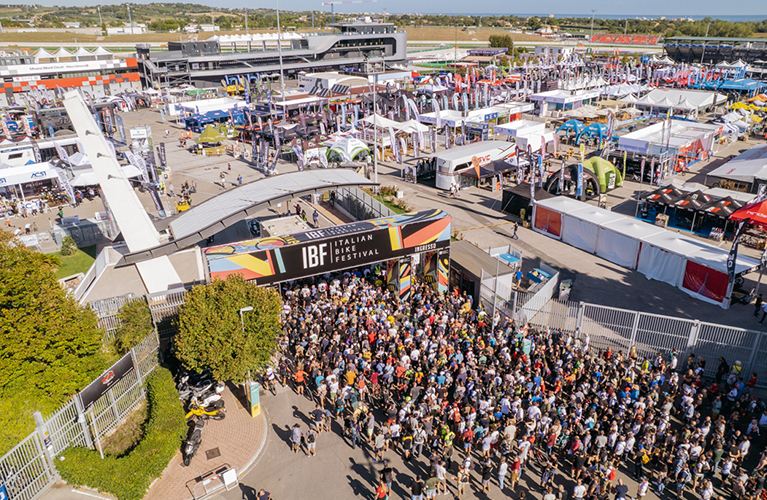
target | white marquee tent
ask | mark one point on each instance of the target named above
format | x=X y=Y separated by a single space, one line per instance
x=694 y=266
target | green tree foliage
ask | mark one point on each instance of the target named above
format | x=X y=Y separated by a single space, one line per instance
x=127 y=477
x=50 y=346
x=136 y=323
x=210 y=334
x=68 y=246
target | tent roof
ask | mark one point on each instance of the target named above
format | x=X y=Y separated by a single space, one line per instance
x=694 y=200
x=633 y=228
x=716 y=258
x=413 y=126
x=82 y=52
x=42 y=53
x=101 y=51
x=665 y=195
x=210 y=135
x=755 y=212
x=595 y=215
x=562 y=204
x=381 y=121
x=723 y=207
x=746 y=167
x=62 y=52
x=675 y=243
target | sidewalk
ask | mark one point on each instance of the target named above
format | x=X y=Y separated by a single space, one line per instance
x=239 y=439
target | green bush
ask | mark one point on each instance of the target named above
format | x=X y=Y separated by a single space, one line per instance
x=68 y=246
x=127 y=477
x=135 y=325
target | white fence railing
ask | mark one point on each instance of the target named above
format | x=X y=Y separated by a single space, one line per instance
x=28 y=469
x=649 y=334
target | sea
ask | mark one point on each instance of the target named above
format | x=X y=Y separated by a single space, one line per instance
x=735 y=19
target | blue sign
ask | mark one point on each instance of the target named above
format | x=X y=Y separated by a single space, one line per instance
x=3 y=492
x=579 y=185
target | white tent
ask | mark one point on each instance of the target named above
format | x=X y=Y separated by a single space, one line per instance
x=82 y=55
x=662 y=255
x=581 y=227
x=749 y=166
x=547 y=214
x=413 y=126
x=61 y=53
x=619 y=240
x=88 y=177
x=101 y=53
x=27 y=173
x=696 y=267
x=43 y=55
x=521 y=127
x=381 y=121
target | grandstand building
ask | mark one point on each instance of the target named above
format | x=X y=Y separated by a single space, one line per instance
x=713 y=50
x=352 y=45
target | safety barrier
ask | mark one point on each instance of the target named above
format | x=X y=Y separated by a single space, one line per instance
x=360 y=205
x=650 y=334
x=28 y=469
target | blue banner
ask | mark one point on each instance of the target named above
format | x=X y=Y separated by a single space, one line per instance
x=579 y=185
x=120 y=128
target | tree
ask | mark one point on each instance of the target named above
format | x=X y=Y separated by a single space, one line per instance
x=50 y=346
x=135 y=325
x=210 y=334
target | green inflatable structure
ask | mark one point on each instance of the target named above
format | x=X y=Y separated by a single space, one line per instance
x=603 y=170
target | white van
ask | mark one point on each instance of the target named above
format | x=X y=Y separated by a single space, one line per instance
x=451 y=162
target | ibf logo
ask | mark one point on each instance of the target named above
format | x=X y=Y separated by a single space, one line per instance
x=314 y=255
x=36 y=175
x=3 y=180
x=107 y=378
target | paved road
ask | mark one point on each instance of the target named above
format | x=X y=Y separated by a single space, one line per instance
x=338 y=472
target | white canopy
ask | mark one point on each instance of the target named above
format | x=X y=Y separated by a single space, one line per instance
x=26 y=174
x=746 y=167
x=381 y=121
x=81 y=52
x=89 y=178
x=43 y=54
x=62 y=52
x=413 y=126
x=101 y=51
x=697 y=268
x=520 y=127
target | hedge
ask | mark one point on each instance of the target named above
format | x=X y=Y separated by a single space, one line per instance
x=128 y=477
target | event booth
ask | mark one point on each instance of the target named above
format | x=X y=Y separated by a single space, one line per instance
x=695 y=267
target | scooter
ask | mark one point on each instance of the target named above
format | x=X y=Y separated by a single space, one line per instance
x=209 y=396
x=193 y=442
x=216 y=411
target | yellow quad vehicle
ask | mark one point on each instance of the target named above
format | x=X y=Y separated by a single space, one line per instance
x=182 y=205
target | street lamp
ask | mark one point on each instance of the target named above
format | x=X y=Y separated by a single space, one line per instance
x=242 y=319
x=592 y=31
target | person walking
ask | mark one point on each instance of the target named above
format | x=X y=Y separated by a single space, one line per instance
x=516 y=227
x=757 y=305
x=295 y=437
x=503 y=468
x=239 y=179
x=311 y=441
x=222 y=178
x=764 y=312
x=316 y=218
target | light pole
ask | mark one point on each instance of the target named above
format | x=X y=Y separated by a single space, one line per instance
x=279 y=49
x=704 y=43
x=242 y=318
x=246 y=21
x=101 y=21
x=591 y=36
x=130 y=20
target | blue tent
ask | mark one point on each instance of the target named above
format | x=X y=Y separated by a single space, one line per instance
x=571 y=125
x=743 y=85
x=595 y=129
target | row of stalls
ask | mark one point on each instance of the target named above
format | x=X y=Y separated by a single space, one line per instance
x=692 y=207
x=695 y=267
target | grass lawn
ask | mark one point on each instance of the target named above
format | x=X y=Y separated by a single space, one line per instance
x=80 y=262
x=394 y=208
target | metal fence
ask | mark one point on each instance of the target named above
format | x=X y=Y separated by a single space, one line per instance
x=28 y=469
x=360 y=205
x=649 y=334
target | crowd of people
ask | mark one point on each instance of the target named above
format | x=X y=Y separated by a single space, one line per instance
x=488 y=400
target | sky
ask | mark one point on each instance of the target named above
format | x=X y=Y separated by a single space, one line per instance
x=632 y=8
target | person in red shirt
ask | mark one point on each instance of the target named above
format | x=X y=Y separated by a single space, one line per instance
x=381 y=491
x=751 y=383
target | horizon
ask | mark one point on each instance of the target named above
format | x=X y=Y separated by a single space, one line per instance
x=557 y=8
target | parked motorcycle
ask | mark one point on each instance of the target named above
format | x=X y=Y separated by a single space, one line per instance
x=216 y=411
x=193 y=442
